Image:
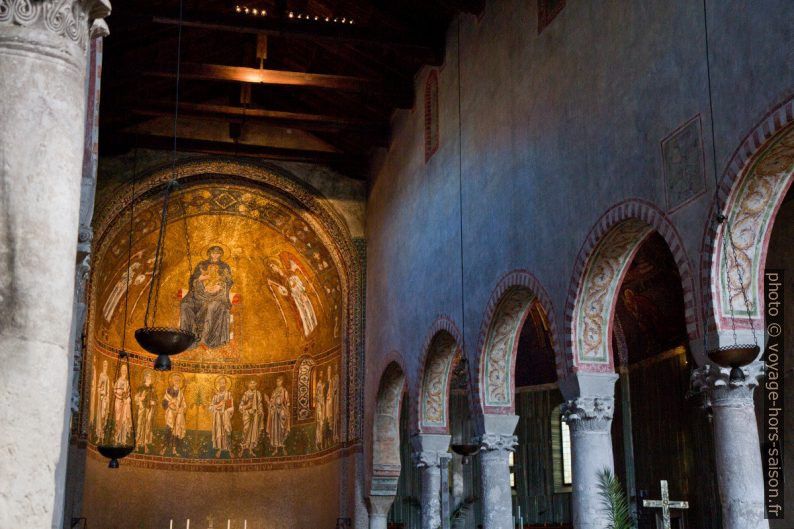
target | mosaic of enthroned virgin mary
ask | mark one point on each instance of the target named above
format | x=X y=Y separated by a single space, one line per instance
x=206 y=309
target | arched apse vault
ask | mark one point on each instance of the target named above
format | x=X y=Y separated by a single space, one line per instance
x=257 y=193
x=749 y=196
x=433 y=383
x=597 y=275
x=386 y=431
x=507 y=310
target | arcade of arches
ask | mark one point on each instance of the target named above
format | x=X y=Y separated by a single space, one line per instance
x=512 y=228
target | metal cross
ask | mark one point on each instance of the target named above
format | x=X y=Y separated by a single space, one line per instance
x=665 y=504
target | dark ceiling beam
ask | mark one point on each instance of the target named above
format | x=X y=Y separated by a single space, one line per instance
x=402 y=93
x=265 y=152
x=235 y=114
x=429 y=53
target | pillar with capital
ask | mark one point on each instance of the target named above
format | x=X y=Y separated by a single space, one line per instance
x=431 y=456
x=736 y=442
x=496 y=443
x=588 y=411
x=43 y=50
x=379 y=506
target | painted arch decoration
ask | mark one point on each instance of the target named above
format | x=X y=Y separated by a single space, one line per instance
x=751 y=208
x=497 y=373
x=598 y=272
x=435 y=383
x=386 y=432
x=266 y=286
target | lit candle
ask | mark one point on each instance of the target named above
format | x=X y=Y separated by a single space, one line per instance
x=171 y=524
x=245 y=524
x=188 y=524
x=228 y=524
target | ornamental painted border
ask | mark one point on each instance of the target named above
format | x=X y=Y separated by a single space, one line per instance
x=437 y=424
x=520 y=280
x=752 y=146
x=654 y=218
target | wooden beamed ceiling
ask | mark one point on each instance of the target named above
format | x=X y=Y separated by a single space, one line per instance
x=295 y=84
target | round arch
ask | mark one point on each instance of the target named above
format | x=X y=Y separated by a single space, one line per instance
x=386 y=431
x=598 y=273
x=506 y=312
x=306 y=200
x=749 y=196
x=433 y=382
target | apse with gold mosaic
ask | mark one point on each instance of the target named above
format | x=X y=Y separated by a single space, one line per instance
x=250 y=276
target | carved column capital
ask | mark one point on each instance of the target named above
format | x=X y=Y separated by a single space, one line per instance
x=69 y=19
x=589 y=413
x=428 y=459
x=496 y=441
x=719 y=390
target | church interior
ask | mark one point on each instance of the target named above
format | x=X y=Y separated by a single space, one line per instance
x=414 y=264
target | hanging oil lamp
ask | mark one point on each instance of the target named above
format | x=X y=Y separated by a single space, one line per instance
x=119 y=436
x=165 y=341
x=116 y=443
x=162 y=341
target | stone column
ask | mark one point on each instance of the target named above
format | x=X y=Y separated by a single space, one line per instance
x=738 y=452
x=430 y=451
x=495 y=446
x=42 y=74
x=589 y=417
x=379 y=511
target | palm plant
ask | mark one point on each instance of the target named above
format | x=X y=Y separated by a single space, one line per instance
x=614 y=501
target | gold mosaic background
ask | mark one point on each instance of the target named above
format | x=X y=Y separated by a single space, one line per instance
x=272 y=301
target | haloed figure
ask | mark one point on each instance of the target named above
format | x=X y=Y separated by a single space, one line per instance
x=222 y=408
x=103 y=402
x=146 y=399
x=206 y=309
x=122 y=408
x=253 y=411
x=278 y=419
x=175 y=406
x=319 y=411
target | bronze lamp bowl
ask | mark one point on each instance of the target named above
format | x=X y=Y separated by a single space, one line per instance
x=115 y=452
x=164 y=342
x=735 y=356
x=464 y=450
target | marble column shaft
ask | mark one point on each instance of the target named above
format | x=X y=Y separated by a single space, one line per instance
x=42 y=76
x=497 y=497
x=736 y=441
x=590 y=421
x=429 y=464
x=430 y=455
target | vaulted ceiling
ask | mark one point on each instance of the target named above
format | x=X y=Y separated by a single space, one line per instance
x=300 y=80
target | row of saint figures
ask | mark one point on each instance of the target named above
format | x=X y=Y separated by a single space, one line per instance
x=266 y=419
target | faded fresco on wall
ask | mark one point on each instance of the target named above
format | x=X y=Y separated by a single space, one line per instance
x=684 y=169
x=260 y=289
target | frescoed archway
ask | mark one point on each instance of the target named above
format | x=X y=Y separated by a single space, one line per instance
x=602 y=262
x=734 y=250
x=433 y=384
x=507 y=310
x=386 y=432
